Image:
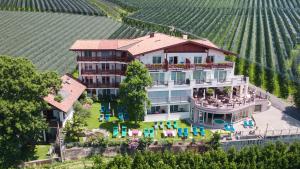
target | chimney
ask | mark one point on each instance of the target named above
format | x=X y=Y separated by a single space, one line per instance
x=151 y=34
x=184 y=36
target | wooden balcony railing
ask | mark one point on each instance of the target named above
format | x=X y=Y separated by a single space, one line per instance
x=102 y=85
x=103 y=72
x=98 y=59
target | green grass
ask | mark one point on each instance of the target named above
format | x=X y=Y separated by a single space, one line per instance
x=41 y=151
x=114 y=121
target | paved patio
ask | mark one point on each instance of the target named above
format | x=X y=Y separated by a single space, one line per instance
x=274 y=118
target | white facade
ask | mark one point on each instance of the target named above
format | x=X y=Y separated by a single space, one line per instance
x=172 y=88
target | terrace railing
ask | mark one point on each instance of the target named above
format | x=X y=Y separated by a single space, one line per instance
x=159 y=99
x=179 y=99
x=98 y=59
x=102 y=85
x=102 y=72
x=159 y=83
x=182 y=66
x=212 y=65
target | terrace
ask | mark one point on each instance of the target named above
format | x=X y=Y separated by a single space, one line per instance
x=103 y=72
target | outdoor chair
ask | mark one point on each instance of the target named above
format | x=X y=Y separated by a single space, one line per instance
x=168 y=124
x=101 y=117
x=245 y=124
x=124 y=131
x=202 y=131
x=156 y=125
x=250 y=123
x=151 y=133
x=120 y=116
x=115 y=131
x=179 y=132
x=175 y=124
x=146 y=132
x=161 y=125
x=107 y=116
x=195 y=133
x=185 y=132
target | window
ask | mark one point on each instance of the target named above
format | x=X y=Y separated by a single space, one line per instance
x=197 y=59
x=156 y=60
x=173 y=60
x=158 y=78
x=210 y=59
x=87 y=53
x=199 y=76
x=174 y=108
x=178 y=77
x=220 y=75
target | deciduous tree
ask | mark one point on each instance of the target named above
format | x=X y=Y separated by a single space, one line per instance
x=22 y=88
x=133 y=94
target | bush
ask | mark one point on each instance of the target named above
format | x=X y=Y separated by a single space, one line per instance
x=88 y=101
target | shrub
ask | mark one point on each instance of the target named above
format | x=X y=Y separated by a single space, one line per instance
x=58 y=98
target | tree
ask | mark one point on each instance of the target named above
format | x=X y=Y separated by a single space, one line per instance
x=22 y=89
x=74 y=127
x=133 y=94
x=296 y=94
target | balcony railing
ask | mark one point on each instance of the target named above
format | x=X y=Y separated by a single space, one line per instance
x=102 y=85
x=167 y=66
x=159 y=83
x=212 y=65
x=102 y=72
x=98 y=59
x=179 y=99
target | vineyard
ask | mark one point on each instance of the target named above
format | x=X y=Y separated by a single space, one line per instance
x=263 y=32
x=45 y=38
x=65 y=6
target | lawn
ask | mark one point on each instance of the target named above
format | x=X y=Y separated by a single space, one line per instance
x=41 y=151
x=93 y=123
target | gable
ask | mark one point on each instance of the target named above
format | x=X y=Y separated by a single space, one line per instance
x=186 y=47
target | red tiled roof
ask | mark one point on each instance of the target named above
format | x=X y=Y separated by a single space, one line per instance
x=70 y=91
x=141 y=45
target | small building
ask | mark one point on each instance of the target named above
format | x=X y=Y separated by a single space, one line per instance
x=61 y=112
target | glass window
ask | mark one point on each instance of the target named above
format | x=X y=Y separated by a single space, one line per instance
x=178 y=77
x=220 y=75
x=173 y=60
x=199 y=75
x=174 y=108
x=210 y=59
x=197 y=59
x=158 y=78
x=87 y=53
x=156 y=60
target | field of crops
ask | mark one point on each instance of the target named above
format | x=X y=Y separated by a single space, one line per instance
x=45 y=38
x=261 y=31
x=66 y=6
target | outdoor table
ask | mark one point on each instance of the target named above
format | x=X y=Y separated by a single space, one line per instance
x=135 y=132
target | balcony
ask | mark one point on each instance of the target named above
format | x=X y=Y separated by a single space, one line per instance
x=104 y=59
x=155 y=66
x=103 y=72
x=159 y=83
x=103 y=85
x=212 y=65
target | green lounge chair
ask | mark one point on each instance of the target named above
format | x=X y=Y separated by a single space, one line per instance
x=124 y=131
x=179 y=132
x=175 y=124
x=151 y=133
x=185 y=132
x=161 y=125
x=146 y=132
x=250 y=123
x=168 y=124
x=195 y=132
x=202 y=131
x=115 y=131
x=245 y=124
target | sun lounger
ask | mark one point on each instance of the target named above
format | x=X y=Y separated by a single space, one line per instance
x=146 y=132
x=106 y=117
x=180 y=132
x=124 y=131
x=226 y=127
x=151 y=133
x=195 y=133
x=115 y=131
x=175 y=124
x=120 y=116
x=202 y=131
x=156 y=125
x=231 y=128
x=161 y=125
x=250 y=123
x=185 y=132
x=168 y=124
x=245 y=124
